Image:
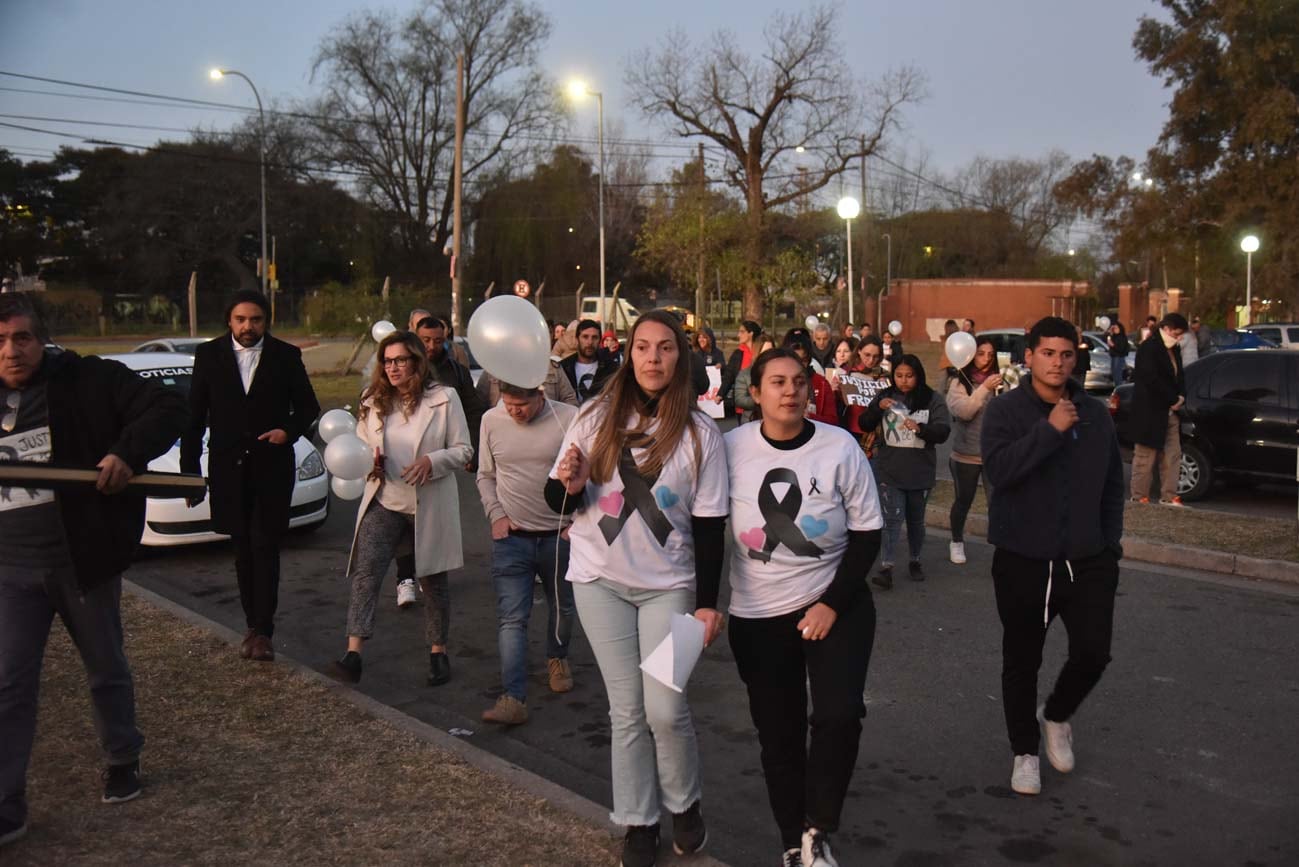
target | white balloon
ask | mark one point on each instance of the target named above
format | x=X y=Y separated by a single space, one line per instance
x=347 y=489
x=960 y=348
x=381 y=329
x=1105 y=322
x=347 y=457
x=895 y=328
x=335 y=422
x=511 y=340
x=811 y=322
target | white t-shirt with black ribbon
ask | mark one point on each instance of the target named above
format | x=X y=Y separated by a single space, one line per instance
x=635 y=531
x=791 y=510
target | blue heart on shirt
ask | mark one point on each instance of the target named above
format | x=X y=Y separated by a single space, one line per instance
x=813 y=527
x=666 y=499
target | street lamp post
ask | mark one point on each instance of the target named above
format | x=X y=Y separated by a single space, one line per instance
x=848 y=209
x=578 y=89
x=888 y=279
x=217 y=75
x=1249 y=244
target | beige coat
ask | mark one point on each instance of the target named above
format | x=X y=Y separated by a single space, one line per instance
x=445 y=443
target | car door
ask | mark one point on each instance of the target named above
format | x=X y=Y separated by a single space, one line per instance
x=1245 y=413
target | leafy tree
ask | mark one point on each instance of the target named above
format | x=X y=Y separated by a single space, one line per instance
x=796 y=95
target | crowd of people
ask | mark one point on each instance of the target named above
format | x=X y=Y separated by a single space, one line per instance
x=612 y=489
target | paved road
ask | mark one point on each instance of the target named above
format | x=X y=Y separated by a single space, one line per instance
x=1183 y=751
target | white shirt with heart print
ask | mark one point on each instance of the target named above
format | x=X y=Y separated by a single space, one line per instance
x=635 y=558
x=816 y=493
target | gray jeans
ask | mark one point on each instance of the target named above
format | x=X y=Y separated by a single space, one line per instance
x=382 y=535
x=29 y=599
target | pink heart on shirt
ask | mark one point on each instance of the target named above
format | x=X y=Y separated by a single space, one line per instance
x=611 y=504
x=754 y=538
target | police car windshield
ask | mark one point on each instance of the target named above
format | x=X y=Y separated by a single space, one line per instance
x=175 y=378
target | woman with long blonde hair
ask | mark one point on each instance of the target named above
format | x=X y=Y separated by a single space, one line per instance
x=645 y=471
x=418 y=431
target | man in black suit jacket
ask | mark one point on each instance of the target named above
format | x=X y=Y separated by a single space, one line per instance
x=252 y=392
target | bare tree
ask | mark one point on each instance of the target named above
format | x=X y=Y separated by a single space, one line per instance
x=388 y=108
x=1023 y=189
x=758 y=110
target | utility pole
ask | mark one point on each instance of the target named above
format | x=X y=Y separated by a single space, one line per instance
x=457 y=193
x=865 y=228
x=699 y=274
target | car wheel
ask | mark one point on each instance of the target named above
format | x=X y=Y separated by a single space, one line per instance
x=1196 y=475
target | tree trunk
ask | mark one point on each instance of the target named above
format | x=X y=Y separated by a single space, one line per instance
x=754 y=300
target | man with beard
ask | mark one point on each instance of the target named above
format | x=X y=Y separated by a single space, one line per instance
x=251 y=395
x=586 y=370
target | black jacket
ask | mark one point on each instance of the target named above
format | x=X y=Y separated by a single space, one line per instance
x=99 y=407
x=1053 y=495
x=1157 y=383
x=453 y=374
x=603 y=370
x=280 y=397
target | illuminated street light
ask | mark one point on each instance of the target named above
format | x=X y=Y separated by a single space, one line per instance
x=216 y=74
x=849 y=208
x=1249 y=244
x=577 y=91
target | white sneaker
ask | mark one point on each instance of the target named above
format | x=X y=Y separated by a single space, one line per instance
x=1026 y=778
x=816 y=849
x=406 y=595
x=1058 y=738
x=956 y=552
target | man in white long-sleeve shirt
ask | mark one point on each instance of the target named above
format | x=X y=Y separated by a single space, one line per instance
x=518 y=442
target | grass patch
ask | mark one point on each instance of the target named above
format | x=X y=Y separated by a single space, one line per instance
x=1269 y=538
x=335 y=390
x=251 y=763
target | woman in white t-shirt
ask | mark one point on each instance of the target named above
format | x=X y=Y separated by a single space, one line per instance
x=418 y=432
x=806 y=521
x=646 y=473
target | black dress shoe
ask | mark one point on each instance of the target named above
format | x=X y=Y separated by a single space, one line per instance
x=884 y=578
x=439 y=669
x=347 y=669
x=917 y=571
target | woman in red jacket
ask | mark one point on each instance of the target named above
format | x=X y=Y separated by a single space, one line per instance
x=821 y=403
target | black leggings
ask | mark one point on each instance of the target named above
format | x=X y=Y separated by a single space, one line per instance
x=965 y=481
x=806 y=786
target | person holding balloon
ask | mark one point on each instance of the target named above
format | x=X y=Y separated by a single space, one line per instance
x=417 y=432
x=892 y=345
x=975 y=383
x=645 y=472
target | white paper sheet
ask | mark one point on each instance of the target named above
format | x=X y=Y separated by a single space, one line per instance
x=674 y=659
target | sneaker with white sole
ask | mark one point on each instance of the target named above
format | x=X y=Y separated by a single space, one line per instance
x=1058 y=739
x=792 y=858
x=406 y=593
x=1026 y=777
x=121 y=782
x=816 y=849
x=956 y=552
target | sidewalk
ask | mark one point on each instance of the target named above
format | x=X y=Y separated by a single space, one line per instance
x=273 y=764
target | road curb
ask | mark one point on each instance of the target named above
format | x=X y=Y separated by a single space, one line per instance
x=1148 y=551
x=533 y=784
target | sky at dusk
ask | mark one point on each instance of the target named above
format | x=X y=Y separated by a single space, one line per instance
x=1005 y=77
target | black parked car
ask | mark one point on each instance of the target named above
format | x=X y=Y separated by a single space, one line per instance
x=1241 y=418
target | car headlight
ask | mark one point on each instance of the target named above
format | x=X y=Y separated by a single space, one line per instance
x=311 y=467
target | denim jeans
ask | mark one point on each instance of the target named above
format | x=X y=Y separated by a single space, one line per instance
x=899 y=504
x=655 y=753
x=1118 y=369
x=29 y=599
x=516 y=561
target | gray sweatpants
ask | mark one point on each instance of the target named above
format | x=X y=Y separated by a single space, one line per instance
x=29 y=599
x=382 y=535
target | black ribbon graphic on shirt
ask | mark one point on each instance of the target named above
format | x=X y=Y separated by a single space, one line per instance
x=781 y=528
x=637 y=496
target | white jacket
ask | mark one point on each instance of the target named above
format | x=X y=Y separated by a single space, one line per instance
x=445 y=443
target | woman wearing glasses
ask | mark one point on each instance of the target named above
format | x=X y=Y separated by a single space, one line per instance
x=419 y=435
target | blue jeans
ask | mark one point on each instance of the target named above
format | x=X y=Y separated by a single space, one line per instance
x=516 y=561
x=654 y=751
x=1118 y=368
x=900 y=503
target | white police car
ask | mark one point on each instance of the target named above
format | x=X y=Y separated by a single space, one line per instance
x=172 y=522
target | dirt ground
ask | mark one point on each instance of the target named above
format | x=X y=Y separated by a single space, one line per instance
x=251 y=763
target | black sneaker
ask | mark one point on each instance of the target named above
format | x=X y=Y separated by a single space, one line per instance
x=439 y=669
x=121 y=783
x=11 y=831
x=917 y=571
x=640 y=847
x=347 y=669
x=688 y=832
x=884 y=578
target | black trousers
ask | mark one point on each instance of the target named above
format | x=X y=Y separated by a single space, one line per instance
x=806 y=786
x=257 y=557
x=1085 y=604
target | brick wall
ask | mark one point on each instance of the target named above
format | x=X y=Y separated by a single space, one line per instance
x=922 y=306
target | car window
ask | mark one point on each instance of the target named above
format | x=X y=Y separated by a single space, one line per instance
x=1273 y=334
x=1247 y=379
x=1292 y=335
